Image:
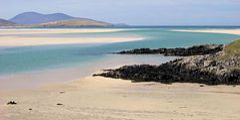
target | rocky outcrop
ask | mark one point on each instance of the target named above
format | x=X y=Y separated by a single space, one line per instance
x=204 y=69
x=195 y=50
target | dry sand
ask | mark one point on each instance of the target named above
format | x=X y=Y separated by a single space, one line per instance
x=223 y=31
x=34 y=37
x=109 y=99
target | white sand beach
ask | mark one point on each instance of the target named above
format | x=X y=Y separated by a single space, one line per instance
x=109 y=99
x=15 y=37
x=224 y=31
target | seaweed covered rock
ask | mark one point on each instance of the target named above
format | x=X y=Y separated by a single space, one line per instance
x=194 y=50
x=205 y=69
x=205 y=64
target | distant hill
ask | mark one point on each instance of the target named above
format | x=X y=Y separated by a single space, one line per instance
x=76 y=22
x=6 y=23
x=28 y=18
x=34 y=19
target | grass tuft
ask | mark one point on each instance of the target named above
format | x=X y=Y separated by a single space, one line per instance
x=232 y=49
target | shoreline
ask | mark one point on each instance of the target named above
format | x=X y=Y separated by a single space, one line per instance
x=204 y=64
x=89 y=97
x=38 y=78
x=220 y=31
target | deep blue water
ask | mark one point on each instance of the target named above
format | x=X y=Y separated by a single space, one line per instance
x=22 y=59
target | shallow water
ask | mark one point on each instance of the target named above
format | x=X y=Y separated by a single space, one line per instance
x=67 y=73
x=17 y=61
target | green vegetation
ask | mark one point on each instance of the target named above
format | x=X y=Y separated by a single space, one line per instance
x=232 y=49
x=74 y=23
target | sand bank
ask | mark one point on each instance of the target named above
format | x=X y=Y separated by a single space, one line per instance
x=35 y=37
x=109 y=99
x=53 y=31
x=223 y=31
x=35 y=41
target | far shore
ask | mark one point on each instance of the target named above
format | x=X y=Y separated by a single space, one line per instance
x=55 y=31
x=222 y=31
x=36 y=41
x=14 y=37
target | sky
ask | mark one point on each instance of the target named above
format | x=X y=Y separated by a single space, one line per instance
x=134 y=12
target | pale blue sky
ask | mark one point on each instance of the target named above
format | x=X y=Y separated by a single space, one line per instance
x=135 y=12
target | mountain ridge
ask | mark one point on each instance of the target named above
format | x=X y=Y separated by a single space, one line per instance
x=28 y=18
x=35 y=19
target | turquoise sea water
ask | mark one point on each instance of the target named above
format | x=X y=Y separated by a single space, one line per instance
x=23 y=59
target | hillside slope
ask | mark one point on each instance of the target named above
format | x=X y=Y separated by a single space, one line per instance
x=28 y=18
x=232 y=49
x=74 y=23
x=6 y=23
x=34 y=19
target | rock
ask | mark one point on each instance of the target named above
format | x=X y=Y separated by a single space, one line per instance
x=203 y=69
x=204 y=64
x=59 y=104
x=195 y=50
x=11 y=103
